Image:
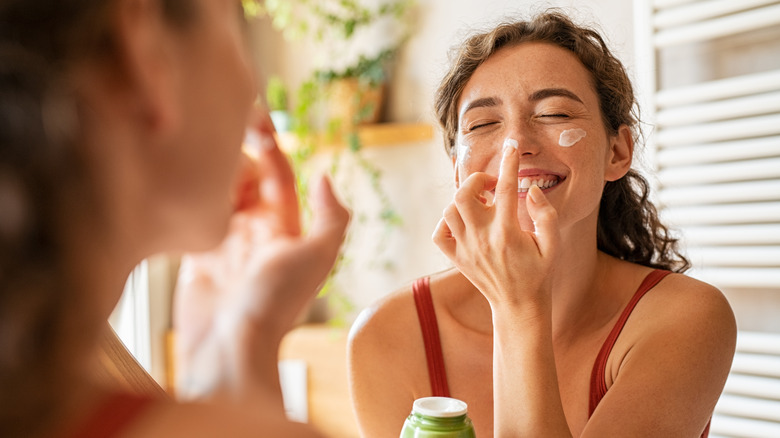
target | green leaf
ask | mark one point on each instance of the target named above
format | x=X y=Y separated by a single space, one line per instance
x=353 y=141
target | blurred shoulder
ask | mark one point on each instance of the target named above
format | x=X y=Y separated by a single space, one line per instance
x=209 y=419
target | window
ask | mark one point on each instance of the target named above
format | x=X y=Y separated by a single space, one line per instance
x=130 y=318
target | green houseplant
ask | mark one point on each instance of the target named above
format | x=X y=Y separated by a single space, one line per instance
x=276 y=97
x=357 y=44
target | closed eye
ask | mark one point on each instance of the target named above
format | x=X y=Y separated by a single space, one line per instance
x=555 y=115
x=481 y=125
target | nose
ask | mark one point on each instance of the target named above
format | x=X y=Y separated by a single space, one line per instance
x=528 y=144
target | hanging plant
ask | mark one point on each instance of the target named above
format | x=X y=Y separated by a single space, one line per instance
x=357 y=44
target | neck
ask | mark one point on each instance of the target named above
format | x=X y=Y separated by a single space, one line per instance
x=581 y=289
x=98 y=265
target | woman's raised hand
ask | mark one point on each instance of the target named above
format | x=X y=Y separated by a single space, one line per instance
x=235 y=303
x=487 y=244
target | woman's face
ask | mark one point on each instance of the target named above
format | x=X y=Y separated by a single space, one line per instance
x=541 y=96
x=218 y=90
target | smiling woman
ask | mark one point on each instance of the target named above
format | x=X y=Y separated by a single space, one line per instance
x=566 y=310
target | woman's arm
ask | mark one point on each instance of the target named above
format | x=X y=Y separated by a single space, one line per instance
x=383 y=365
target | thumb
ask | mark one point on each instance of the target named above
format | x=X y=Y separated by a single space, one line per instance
x=330 y=216
x=545 y=219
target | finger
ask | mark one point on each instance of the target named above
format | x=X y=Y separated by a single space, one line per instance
x=453 y=220
x=443 y=238
x=506 y=187
x=545 y=219
x=469 y=197
x=331 y=218
x=276 y=180
x=246 y=193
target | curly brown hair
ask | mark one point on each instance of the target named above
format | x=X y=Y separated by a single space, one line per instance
x=628 y=225
x=42 y=181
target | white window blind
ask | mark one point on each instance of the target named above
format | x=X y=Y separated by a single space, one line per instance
x=708 y=73
x=715 y=147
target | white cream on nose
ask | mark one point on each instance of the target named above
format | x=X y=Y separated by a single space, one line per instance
x=570 y=137
x=510 y=142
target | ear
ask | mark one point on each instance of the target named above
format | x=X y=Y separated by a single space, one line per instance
x=145 y=61
x=620 y=155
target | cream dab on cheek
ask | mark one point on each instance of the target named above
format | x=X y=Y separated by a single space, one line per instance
x=463 y=152
x=570 y=137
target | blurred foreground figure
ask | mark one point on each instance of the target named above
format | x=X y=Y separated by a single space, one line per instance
x=121 y=125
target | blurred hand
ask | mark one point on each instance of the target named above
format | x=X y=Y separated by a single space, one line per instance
x=235 y=303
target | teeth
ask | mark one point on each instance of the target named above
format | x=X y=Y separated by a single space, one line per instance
x=526 y=183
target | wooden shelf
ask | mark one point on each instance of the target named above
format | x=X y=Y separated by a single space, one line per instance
x=324 y=349
x=380 y=134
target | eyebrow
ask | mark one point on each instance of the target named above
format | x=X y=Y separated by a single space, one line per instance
x=482 y=102
x=553 y=92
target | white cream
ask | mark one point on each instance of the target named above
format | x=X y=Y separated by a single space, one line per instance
x=570 y=137
x=510 y=142
x=463 y=152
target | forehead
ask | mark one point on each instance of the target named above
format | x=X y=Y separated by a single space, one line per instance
x=524 y=68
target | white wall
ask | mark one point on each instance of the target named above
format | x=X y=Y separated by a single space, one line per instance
x=443 y=24
x=418 y=177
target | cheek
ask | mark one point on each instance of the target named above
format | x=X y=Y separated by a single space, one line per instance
x=476 y=155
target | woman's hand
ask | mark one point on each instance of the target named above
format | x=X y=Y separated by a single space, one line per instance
x=513 y=269
x=234 y=304
x=510 y=266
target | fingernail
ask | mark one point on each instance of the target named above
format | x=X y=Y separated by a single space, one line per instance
x=535 y=193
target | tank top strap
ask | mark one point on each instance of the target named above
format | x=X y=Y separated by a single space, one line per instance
x=598 y=384
x=430 y=332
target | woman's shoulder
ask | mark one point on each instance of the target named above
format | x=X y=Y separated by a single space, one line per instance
x=392 y=324
x=386 y=319
x=680 y=296
x=679 y=340
x=392 y=317
x=696 y=311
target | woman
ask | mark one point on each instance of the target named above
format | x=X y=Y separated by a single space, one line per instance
x=121 y=123
x=554 y=242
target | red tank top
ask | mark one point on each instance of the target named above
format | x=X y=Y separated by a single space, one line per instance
x=112 y=417
x=435 y=357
